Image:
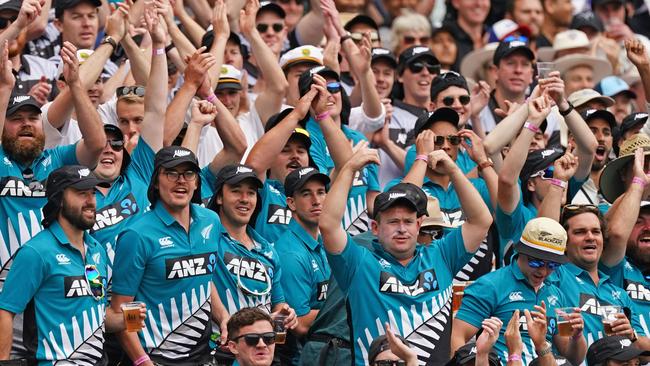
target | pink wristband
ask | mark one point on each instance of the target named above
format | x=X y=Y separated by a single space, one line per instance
x=639 y=181
x=144 y=358
x=557 y=182
x=514 y=357
x=157 y=51
x=211 y=98
x=422 y=157
x=532 y=127
x=322 y=116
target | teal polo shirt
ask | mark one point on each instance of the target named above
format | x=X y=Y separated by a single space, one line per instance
x=499 y=294
x=510 y=226
x=580 y=291
x=247 y=278
x=170 y=269
x=274 y=216
x=48 y=283
x=415 y=299
x=637 y=285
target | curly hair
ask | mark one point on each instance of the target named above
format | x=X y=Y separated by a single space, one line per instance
x=245 y=317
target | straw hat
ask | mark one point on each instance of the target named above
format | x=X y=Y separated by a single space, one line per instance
x=611 y=184
x=434 y=217
x=475 y=60
x=600 y=67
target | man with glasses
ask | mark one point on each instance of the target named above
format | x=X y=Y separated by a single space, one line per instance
x=251 y=337
x=524 y=285
x=361 y=24
x=59 y=279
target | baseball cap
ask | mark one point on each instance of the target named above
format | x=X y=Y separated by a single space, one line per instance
x=72 y=176
x=379 y=345
x=584 y=96
x=545 y=239
x=559 y=361
x=445 y=80
x=21 y=101
x=595 y=3
x=306 y=78
x=11 y=5
x=587 y=19
x=208 y=39
x=302 y=54
x=591 y=114
x=360 y=19
x=467 y=353
x=511 y=45
x=271 y=6
x=61 y=5
x=299 y=177
x=299 y=133
x=235 y=173
x=615 y=347
x=632 y=120
x=612 y=86
x=538 y=160
x=414 y=53
x=441 y=114
x=434 y=215
x=229 y=78
x=507 y=27
x=379 y=53
x=402 y=192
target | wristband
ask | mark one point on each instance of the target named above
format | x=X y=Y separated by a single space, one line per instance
x=566 y=112
x=639 y=181
x=211 y=98
x=322 y=116
x=532 y=127
x=157 y=51
x=346 y=37
x=169 y=47
x=144 y=358
x=514 y=357
x=422 y=157
x=557 y=182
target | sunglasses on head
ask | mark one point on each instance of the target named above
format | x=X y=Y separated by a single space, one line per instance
x=545 y=174
x=130 y=90
x=262 y=27
x=334 y=87
x=440 y=140
x=538 y=263
x=414 y=40
x=116 y=145
x=358 y=36
x=417 y=67
x=5 y=22
x=434 y=232
x=95 y=282
x=253 y=339
x=449 y=100
x=569 y=211
x=515 y=38
x=389 y=363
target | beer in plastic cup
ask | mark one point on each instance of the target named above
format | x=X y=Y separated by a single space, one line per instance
x=457 y=294
x=564 y=327
x=609 y=314
x=544 y=68
x=279 y=328
x=131 y=311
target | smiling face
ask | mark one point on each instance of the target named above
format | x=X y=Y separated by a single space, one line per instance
x=535 y=276
x=454 y=93
x=585 y=240
x=176 y=195
x=275 y=40
x=397 y=230
x=110 y=161
x=78 y=208
x=237 y=202
x=473 y=12
x=384 y=77
x=417 y=86
x=307 y=203
x=638 y=244
x=22 y=137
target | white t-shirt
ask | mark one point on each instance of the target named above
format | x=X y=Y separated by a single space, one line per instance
x=364 y=124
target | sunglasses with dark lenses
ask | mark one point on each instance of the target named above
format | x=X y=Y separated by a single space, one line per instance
x=440 y=140
x=95 y=282
x=253 y=339
x=5 y=22
x=262 y=28
x=358 y=36
x=413 y=40
x=130 y=90
x=449 y=100
x=174 y=176
x=435 y=233
x=334 y=87
x=389 y=363
x=116 y=145
x=416 y=67
x=545 y=174
x=538 y=263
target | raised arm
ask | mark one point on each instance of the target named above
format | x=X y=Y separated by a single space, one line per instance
x=564 y=168
x=184 y=46
x=309 y=29
x=506 y=130
x=478 y=154
x=140 y=64
x=423 y=147
x=30 y=11
x=638 y=55
x=221 y=31
x=193 y=29
x=7 y=81
x=509 y=192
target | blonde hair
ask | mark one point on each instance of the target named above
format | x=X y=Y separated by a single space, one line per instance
x=130 y=99
x=408 y=21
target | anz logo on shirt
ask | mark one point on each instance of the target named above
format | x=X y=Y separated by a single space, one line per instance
x=454 y=217
x=359 y=180
x=590 y=305
x=425 y=282
x=247 y=267
x=190 y=266
x=637 y=291
x=75 y=286
x=115 y=213
x=277 y=214
x=14 y=187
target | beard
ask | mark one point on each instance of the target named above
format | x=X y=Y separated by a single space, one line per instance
x=639 y=257
x=23 y=152
x=76 y=218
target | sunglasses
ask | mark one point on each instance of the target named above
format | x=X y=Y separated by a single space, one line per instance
x=174 y=176
x=95 y=282
x=389 y=363
x=569 y=211
x=417 y=67
x=262 y=28
x=253 y=339
x=545 y=174
x=116 y=145
x=435 y=233
x=449 y=100
x=538 y=263
x=5 y=22
x=130 y=90
x=515 y=38
x=334 y=87
x=413 y=40
x=358 y=36
x=440 y=140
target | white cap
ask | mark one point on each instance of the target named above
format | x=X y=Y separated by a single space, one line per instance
x=302 y=54
x=229 y=77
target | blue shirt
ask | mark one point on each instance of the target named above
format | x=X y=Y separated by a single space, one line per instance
x=637 y=285
x=208 y=180
x=48 y=283
x=464 y=162
x=367 y=179
x=499 y=294
x=274 y=216
x=170 y=270
x=580 y=291
x=22 y=196
x=248 y=277
x=415 y=299
x=510 y=226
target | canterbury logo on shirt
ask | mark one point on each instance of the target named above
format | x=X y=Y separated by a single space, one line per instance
x=590 y=305
x=190 y=266
x=246 y=267
x=321 y=291
x=637 y=291
x=75 y=286
x=425 y=282
x=114 y=214
x=13 y=187
x=278 y=215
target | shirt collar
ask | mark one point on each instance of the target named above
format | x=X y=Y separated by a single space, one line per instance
x=303 y=235
x=577 y=271
x=378 y=249
x=24 y=64
x=168 y=219
x=516 y=271
x=58 y=233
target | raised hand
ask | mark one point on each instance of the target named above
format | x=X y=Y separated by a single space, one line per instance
x=70 y=63
x=565 y=167
x=320 y=102
x=41 y=90
x=362 y=156
x=116 y=24
x=637 y=53
x=361 y=56
x=203 y=113
x=154 y=27
x=220 y=25
x=510 y=107
x=512 y=335
x=198 y=65
x=553 y=85
x=398 y=347
x=424 y=142
x=536 y=322
x=476 y=151
x=489 y=336
x=305 y=102
x=247 y=17
x=7 y=78
x=441 y=163
x=539 y=108
x=29 y=11
x=480 y=97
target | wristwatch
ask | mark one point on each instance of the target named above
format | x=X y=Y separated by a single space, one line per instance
x=110 y=40
x=546 y=350
x=487 y=163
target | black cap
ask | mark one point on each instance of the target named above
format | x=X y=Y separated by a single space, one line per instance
x=538 y=160
x=402 y=192
x=592 y=114
x=439 y=115
x=559 y=361
x=20 y=101
x=169 y=157
x=467 y=353
x=61 y=5
x=271 y=6
x=306 y=79
x=72 y=176
x=208 y=39
x=595 y=3
x=233 y=174
x=507 y=48
x=11 y=5
x=298 y=133
x=445 y=28
x=632 y=120
x=617 y=348
x=299 y=177
x=379 y=53
x=415 y=53
x=445 y=80
x=360 y=19
x=587 y=19
x=379 y=345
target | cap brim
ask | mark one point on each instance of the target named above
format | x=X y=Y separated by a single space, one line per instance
x=178 y=161
x=299 y=60
x=604 y=115
x=89 y=183
x=520 y=49
x=301 y=136
x=628 y=93
x=315 y=175
x=392 y=203
x=228 y=85
x=605 y=100
x=25 y=105
x=629 y=353
x=475 y=60
x=540 y=254
x=601 y=68
x=242 y=177
x=390 y=60
x=611 y=184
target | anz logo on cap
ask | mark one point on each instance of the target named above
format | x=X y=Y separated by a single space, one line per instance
x=517 y=44
x=84 y=172
x=243 y=169
x=304 y=171
x=420 y=49
x=181 y=153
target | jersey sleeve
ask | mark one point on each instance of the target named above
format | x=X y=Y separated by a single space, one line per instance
x=453 y=250
x=142 y=160
x=373 y=178
x=508 y=224
x=130 y=261
x=481 y=187
x=64 y=155
x=297 y=283
x=477 y=304
x=277 y=293
x=345 y=264
x=25 y=278
x=208 y=180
